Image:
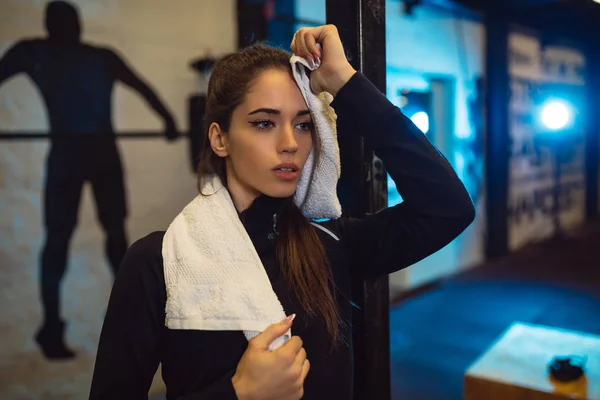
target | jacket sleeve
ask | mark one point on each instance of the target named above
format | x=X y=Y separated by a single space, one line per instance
x=130 y=341
x=436 y=207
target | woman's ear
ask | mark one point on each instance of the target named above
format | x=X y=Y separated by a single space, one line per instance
x=218 y=140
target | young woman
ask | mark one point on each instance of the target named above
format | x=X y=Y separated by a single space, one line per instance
x=256 y=121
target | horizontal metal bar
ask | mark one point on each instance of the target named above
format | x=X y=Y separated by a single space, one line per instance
x=121 y=135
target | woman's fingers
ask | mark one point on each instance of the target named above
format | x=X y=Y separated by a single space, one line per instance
x=311 y=45
x=301 y=45
x=305 y=42
x=305 y=369
x=334 y=69
x=300 y=358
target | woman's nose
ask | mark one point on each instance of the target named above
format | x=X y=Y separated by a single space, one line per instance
x=287 y=141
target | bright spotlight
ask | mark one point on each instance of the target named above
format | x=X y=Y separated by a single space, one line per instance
x=421 y=120
x=556 y=115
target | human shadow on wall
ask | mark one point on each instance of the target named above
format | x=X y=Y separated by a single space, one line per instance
x=76 y=81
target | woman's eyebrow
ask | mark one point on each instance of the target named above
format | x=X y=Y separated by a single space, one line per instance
x=277 y=112
x=265 y=110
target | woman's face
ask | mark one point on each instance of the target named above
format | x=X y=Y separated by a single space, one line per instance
x=269 y=139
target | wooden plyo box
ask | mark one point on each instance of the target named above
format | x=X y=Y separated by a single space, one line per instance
x=515 y=367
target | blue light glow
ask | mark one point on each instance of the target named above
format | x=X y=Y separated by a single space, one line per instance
x=556 y=115
x=421 y=120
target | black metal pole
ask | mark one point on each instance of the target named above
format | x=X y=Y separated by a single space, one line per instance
x=361 y=25
x=557 y=188
x=592 y=129
x=497 y=145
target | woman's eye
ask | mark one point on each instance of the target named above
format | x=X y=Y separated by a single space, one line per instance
x=305 y=126
x=262 y=125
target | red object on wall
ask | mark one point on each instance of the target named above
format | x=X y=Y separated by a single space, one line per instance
x=269 y=9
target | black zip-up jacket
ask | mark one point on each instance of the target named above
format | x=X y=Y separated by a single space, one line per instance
x=199 y=365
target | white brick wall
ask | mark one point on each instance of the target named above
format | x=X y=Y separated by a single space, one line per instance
x=158 y=39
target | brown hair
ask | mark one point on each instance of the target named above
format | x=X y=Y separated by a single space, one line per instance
x=300 y=253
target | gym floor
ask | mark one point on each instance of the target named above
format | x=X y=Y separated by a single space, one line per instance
x=437 y=334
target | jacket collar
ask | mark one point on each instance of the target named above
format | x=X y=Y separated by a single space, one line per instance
x=261 y=216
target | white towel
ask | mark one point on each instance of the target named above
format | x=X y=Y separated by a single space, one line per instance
x=317 y=197
x=214 y=278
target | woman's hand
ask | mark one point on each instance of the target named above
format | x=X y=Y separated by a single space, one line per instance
x=272 y=375
x=335 y=70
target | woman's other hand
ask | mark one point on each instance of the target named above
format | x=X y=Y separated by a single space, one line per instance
x=335 y=70
x=272 y=375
